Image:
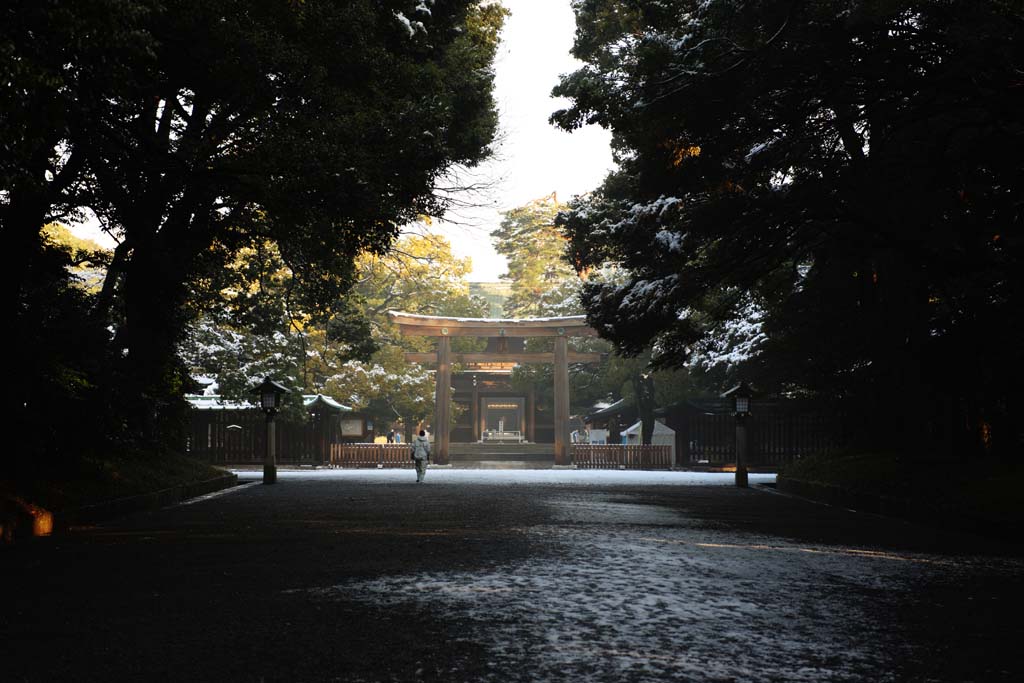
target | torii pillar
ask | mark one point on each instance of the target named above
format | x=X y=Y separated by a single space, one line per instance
x=561 y=372
x=443 y=400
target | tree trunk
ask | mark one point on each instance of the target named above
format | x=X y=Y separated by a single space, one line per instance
x=614 y=435
x=154 y=298
x=643 y=387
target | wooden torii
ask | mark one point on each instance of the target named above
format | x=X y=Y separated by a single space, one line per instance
x=444 y=328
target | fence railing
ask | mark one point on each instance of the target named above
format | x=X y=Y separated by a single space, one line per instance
x=778 y=432
x=370 y=455
x=772 y=440
x=238 y=437
x=508 y=436
x=628 y=457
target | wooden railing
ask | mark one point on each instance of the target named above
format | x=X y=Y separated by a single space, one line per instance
x=513 y=436
x=371 y=455
x=778 y=432
x=238 y=437
x=628 y=457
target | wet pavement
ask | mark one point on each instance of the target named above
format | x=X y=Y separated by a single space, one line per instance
x=510 y=576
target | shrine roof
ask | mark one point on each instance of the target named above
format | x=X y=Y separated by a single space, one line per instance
x=216 y=402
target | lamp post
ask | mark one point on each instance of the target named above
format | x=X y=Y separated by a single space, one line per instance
x=741 y=395
x=270 y=401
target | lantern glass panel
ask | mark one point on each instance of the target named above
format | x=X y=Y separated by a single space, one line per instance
x=742 y=404
x=268 y=400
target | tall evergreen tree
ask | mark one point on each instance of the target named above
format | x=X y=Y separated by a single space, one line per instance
x=542 y=282
x=850 y=169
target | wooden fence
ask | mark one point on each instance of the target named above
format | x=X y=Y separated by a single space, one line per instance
x=627 y=457
x=777 y=432
x=239 y=437
x=370 y=455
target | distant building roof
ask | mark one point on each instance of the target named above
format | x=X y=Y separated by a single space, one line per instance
x=603 y=410
x=207 y=384
x=215 y=402
x=708 y=406
x=310 y=400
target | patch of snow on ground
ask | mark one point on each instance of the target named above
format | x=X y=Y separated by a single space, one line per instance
x=513 y=477
x=632 y=603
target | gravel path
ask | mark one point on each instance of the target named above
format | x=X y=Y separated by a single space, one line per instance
x=509 y=576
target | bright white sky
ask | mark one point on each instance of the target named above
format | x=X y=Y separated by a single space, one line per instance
x=533 y=158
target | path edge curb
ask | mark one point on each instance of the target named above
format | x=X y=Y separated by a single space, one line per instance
x=145 y=502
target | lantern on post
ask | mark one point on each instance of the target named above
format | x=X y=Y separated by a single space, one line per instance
x=270 y=393
x=741 y=396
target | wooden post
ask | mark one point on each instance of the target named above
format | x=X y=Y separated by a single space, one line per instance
x=562 y=456
x=531 y=415
x=522 y=418
x=270 y=461
x=741 y=451
x=474 y=409
x=443 y=400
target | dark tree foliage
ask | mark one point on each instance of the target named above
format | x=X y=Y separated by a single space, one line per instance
x=59 y=64
x=56 y=350
x=193 y=127
x=853 y=168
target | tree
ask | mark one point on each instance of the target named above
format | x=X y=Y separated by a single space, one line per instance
x=544 y=284
x=248 y=323
x=387 y=388
x=419 y=275
x=318 y=125
x=88 y=260
x=254 y=326
x=534 y=248
x=848 y=169
x=59 y=64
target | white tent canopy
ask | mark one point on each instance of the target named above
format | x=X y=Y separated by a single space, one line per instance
x=663 y=436
x=659 y=428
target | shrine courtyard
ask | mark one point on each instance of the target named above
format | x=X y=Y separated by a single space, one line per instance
x=509 y=576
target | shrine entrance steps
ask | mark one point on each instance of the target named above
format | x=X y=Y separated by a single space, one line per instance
x=502 y=455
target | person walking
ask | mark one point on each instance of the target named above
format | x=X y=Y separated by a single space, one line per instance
x=391 y=436
x=421 y=455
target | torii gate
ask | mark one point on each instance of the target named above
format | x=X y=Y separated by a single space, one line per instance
x=444 y=328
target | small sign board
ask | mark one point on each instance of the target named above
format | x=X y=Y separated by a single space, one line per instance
x=352 y=427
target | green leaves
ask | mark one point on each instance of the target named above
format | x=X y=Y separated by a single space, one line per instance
x=542 y=283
